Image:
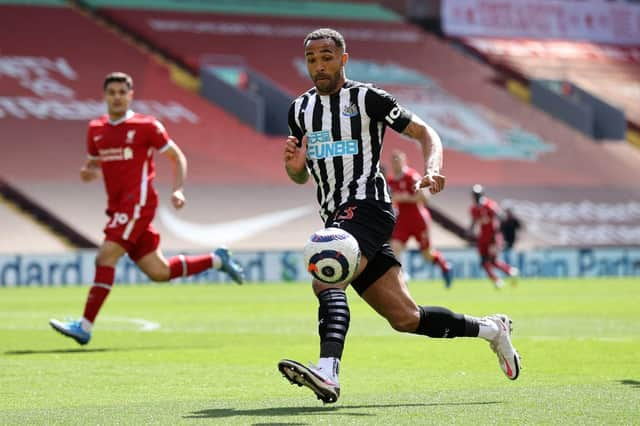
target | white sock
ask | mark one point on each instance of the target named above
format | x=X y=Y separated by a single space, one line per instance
x=488 y=329
x=331 y=367
x=216 y=262
x=86 y=325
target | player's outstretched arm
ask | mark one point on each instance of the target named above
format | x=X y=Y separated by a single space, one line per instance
x=90 y=170
x=431 y=146
x=295 y=159
x=177 y=157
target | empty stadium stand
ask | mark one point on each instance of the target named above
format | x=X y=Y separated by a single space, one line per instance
x=610 y=72
x=51 y=90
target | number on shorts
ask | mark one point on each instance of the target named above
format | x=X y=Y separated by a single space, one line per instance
x=118 y=219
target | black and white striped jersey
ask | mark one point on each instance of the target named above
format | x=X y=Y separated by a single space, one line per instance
x=344 y=133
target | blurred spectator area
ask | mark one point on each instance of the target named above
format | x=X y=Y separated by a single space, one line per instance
x=236 y=173
x=609 y=72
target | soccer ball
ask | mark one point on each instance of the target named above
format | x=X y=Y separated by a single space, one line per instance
x=332 y=255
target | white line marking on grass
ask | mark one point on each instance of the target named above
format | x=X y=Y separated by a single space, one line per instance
x=143 y=324
x=110 y=323
x=582 y=338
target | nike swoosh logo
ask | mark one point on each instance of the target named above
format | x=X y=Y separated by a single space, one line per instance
x=509 y=370
x=227 y=232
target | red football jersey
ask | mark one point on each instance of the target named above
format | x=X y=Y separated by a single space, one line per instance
x=486 y=215
x=406 y=184
x=125 y=150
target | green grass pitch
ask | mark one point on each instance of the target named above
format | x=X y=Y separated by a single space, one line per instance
x=213 y=357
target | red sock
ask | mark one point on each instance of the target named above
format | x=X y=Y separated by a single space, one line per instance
x=438 y=259
x=487 y=267
x=99 y=291
x=502 y=266
x=184 y=266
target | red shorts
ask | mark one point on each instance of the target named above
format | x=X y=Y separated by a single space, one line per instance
x=489 y=246
x=134 y=232
x=417 y=228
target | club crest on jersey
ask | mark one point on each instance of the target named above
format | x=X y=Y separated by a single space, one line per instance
x=350 y=111
x=322 y=146
x=130 y=135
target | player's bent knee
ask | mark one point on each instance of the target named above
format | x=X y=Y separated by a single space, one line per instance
x=407 y=322
x=107 y=259
x=158 y=275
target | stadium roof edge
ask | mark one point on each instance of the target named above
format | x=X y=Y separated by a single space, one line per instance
x=292 y=8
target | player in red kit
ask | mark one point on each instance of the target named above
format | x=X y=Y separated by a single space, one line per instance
x=413 y=218
x=485 y=214
x=120 y=144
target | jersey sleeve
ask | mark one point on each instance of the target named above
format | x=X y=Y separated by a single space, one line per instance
x=294 y=129
x=494 y=208
x=381 y=106
x=92 y=150
x=159 y=138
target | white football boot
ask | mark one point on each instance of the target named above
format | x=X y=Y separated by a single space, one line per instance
x=508 y=357
x=325 y=389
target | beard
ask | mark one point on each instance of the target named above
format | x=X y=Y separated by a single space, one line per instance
x=328 y=86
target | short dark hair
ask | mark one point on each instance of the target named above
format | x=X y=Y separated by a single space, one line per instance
x=322 y=33
x=118 y=77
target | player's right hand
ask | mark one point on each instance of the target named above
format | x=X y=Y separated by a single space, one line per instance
x=88 y=174
x=295 y=156
x=178 y=199
x=433 y=181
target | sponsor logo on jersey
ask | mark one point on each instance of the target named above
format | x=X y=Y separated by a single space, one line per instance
x=350 y=111
x=116 y=154
x=322 y=146
x=96 y=138
x=127 y=153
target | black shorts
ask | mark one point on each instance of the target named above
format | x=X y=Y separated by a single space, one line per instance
x=371 y=223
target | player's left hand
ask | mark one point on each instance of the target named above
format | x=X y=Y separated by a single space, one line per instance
x=433 y=181
x=177 y=199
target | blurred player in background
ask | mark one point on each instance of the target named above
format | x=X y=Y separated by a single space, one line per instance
x=412 y=218
x=510 y=226
x=121 y=145
x=485 y=216
x=337 y=130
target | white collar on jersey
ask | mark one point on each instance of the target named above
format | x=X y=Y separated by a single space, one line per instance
x=125 y=117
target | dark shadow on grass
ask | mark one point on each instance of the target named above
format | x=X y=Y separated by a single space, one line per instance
x=77 y=350
x=630 y=382
x=278 y=424
x=333 y=409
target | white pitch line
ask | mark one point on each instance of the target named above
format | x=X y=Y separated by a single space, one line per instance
x=141 y=324
x=145 y=325
x=581 y=338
